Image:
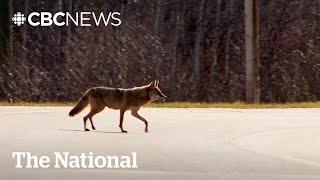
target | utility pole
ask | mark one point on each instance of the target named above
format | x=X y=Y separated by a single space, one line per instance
x=252 y=51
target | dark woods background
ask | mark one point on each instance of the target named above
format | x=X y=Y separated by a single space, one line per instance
x=195 y=48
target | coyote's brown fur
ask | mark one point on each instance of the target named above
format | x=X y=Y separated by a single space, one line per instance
x=118 y=98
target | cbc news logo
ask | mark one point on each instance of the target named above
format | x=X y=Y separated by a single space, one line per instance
x=67 y=19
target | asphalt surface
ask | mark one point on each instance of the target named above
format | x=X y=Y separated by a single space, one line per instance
x=182 y=143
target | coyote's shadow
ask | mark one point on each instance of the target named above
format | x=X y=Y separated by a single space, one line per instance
x=78 y=130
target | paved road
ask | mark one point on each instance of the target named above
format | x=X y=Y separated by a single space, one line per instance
x=226 y=144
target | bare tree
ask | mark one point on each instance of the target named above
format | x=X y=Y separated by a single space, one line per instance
x=197 y=50
x=216 y=44
x=228 y=42
x=4 y=30
x=252 y=51
x=158 y=17
x=25 y=32
x=180 y=42
x=69 y=34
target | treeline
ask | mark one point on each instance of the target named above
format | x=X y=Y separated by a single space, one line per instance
x=195 y=48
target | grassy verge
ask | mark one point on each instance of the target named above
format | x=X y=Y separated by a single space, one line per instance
x=236 y=105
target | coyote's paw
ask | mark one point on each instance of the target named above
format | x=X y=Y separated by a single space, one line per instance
x=124 y=131
x=86 y=129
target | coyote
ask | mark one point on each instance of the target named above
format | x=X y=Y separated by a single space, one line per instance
x=118 y=98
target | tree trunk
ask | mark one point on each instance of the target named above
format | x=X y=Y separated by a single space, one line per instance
x=25 y=32
x=227 y=54
x=294 y=80
x=61 y=34
x=180 y=31
x=69 y=32
x=197 y=51
x=5 y=31
x=216 y=44
x=227 y=46
x=158 y=17
x=252 y=51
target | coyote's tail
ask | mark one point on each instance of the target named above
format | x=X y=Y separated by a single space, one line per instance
x=81 y=104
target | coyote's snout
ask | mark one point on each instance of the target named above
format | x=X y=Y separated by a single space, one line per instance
x=118 y=98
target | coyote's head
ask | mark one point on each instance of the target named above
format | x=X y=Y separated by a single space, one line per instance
x=155 y=92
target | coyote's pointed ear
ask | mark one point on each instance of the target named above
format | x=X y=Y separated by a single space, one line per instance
x=152 y=84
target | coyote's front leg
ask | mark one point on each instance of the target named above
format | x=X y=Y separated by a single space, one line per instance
x=122 y=111
x=135 y=113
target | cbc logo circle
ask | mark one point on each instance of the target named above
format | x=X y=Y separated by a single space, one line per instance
x=18 y=18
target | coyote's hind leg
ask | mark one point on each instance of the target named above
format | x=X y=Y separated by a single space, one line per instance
x=92 y=126
x=96 y=107
x=85 y=122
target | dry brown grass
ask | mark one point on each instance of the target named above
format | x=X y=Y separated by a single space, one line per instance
x=236 y=105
